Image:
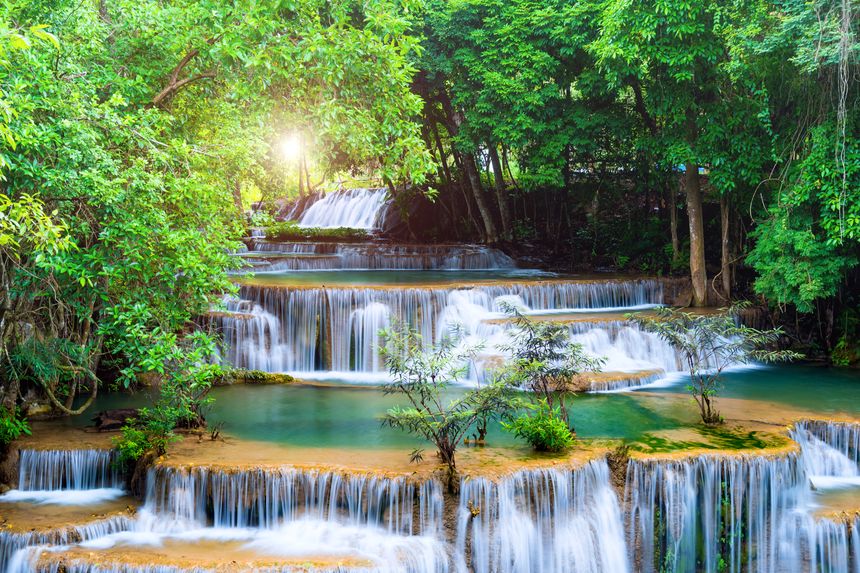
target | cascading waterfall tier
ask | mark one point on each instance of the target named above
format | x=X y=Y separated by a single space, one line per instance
x=734 y=513
x=336 y=329
x=542 y=521
x=12 y=542
x=842 y=437
x=361 y=523
x=267 y=256
x=48 y=470
x=743 y=513
x=268 y=497
x=62 y=477
x=353 y=208
x=700 y=514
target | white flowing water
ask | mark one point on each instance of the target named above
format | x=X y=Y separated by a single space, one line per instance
x=266 y=498
x=269 y=256
x=41 y=470
x=733 y=513
x=542 y=521
x=320 y=330
x=62 y=477
x=743 y=513
x=354 y=208
x=279 y=514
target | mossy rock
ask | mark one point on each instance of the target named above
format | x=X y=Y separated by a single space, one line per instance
x=290 y=231
x=254 y=377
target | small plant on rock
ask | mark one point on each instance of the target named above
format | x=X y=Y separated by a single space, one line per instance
x=544 y=361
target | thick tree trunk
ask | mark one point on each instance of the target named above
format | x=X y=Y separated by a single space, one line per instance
x=453 y=120
x=698 y=273
x=501 y=191
x=725 y=253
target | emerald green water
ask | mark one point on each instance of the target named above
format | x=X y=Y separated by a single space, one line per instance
x=350 y=417
x=822 y=390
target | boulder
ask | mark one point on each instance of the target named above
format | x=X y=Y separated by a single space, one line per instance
x=113 y=420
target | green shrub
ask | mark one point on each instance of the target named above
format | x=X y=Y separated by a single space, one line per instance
x=151 y=431
x=290 y=231
x=545 y=429
x=12 y=425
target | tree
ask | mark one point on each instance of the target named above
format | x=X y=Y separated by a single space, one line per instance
x=544 y=361
x=710 y=343
x=128 y=138
x=424 y=377
x=695 y=93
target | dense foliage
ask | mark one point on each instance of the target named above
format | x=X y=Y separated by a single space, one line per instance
x=132 y=134
x=585 y=125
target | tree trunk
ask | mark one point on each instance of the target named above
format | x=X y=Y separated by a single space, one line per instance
x=490 y=234
x=698 y=273
x=237 y=197
x=453 y=121
x=725 y=253
x=673 y=221
x=501 y=191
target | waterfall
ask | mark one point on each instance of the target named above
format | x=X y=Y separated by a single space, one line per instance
x=335 y=329
x=354 y=208
x=701 y=513
x=627 y=348
x=61 y=477
x=744 y=513
x=11 y=542
x=842 y=437
x=732 y=513
x=542 y=521
x=266 y=498
x=369 y=256
x=392 y=524
x=51 y=470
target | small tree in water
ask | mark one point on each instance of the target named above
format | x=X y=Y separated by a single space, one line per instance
x=543 y=360
x=423 y=377
x=709 y=344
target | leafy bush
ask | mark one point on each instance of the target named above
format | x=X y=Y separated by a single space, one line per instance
x=12 y=425
x=151 y=431
x=290 y=231
x=545 y=429
x=709 y=344
x=187 y=378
